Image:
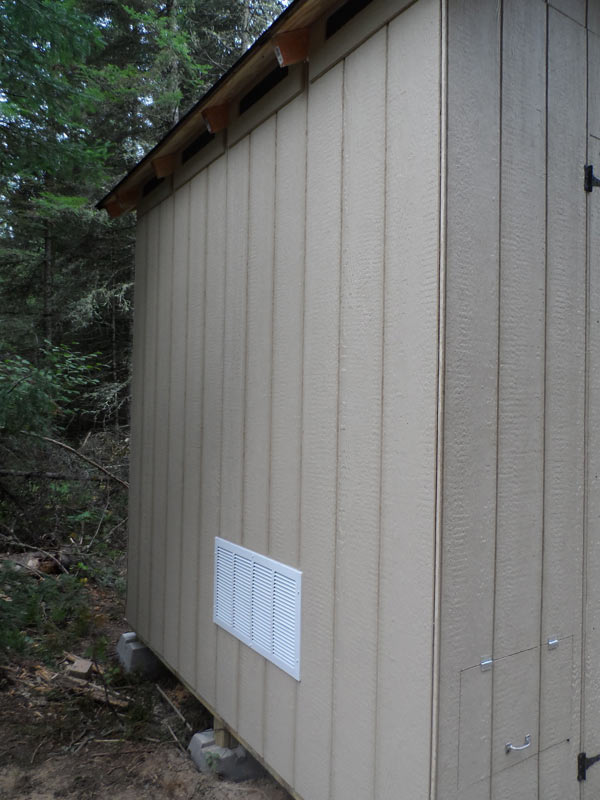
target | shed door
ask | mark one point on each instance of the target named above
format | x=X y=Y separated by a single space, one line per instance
x=590 y=722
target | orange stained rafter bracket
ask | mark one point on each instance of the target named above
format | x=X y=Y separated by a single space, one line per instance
x=165 y=165
x=216 y=118
x=128 y=198
x=113 y=208
x=291 y=47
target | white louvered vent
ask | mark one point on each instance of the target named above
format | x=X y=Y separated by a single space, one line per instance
x=258 y=600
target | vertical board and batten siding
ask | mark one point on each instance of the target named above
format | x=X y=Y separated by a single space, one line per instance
x=469 y=467
x=514 y=418
x=234 y=399
x=137 y=421
x=160 y=461
x=319 y=465
x=147 y=445
x=257 y=403
x=189 y=467
x=408 y=435
x=176 y=431
x=520 y=405
x=286 y=402
x=591 y=720
x=564 y=467
x=211 y=434
x=359 y=418
x=267 y=418
x=192 y=414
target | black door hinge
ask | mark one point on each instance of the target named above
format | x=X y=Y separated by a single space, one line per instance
x=590 y=180
x=583 y=764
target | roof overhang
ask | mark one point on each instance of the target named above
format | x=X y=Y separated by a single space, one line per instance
x=284 y=43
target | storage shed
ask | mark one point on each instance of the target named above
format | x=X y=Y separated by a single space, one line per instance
x=365 y=506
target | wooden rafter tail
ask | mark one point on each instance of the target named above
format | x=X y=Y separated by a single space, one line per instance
x=165 y=165
x=128 y=197
x=216 y=118
x=113 y=208
x=291 y=47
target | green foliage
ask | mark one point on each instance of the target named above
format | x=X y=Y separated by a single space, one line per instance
x=41 y=616
x=39 y=397
x=44 y=97
x=86 y=88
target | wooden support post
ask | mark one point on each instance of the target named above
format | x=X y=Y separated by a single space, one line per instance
x=216 y=118
x=222 y=736
x=291 y=47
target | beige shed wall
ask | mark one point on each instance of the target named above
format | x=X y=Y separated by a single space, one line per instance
x=285 y=380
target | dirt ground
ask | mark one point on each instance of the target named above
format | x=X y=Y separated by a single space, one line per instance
x=114 y=738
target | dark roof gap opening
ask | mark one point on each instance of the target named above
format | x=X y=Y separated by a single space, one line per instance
x=262 y=88
x=343 y=15
x=151 y=185
x=198 y=144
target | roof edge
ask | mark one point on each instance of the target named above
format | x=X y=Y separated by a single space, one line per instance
x=125 y=194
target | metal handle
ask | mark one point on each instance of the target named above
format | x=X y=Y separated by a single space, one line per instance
x=509 y=746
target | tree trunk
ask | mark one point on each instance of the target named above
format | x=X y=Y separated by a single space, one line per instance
x=47 y=282
x=246 y=37
x=114 y=353
x=173 y=78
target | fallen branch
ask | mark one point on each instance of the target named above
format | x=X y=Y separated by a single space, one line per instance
x=35 y=752
x=52 y=476
x=177 y=742
x=174 y=707
x=97 y=693
x=12 y=539
x=74 y=452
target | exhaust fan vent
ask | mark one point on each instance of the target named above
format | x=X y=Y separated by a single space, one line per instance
x=258 y=600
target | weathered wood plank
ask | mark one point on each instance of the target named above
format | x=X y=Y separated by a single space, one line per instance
x=286 y=419
x=360 y=404
x=319 y=433
x=411 y=296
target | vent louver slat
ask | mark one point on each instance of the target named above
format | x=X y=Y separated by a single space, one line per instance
x=224 y=582
x=242 y=584
x=258 y=600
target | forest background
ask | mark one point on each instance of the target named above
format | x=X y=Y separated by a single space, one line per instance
x=86 y=88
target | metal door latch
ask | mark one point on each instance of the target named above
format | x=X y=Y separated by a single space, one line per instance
x=583 y=764
x=590 y=180
x=510 y=746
